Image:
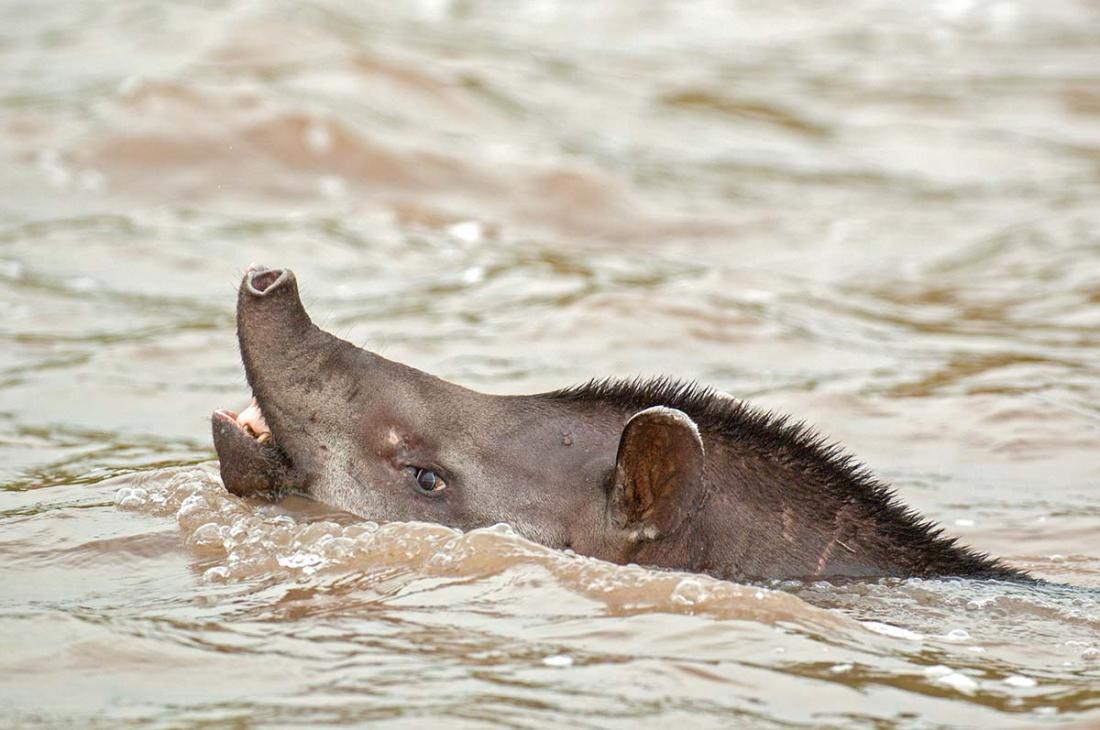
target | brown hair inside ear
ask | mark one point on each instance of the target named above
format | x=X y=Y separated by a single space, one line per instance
x=658 y=472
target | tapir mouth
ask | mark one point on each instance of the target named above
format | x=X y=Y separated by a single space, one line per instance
x=252 y=461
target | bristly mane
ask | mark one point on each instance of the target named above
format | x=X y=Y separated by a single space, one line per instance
x=799 y=446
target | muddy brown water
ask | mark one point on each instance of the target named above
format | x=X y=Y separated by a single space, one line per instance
x=882 y=217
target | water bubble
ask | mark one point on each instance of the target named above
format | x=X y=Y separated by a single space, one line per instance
x=441 y=560
x=193 y=512
x=314 y=533
x=194 y=501
x=217 y=574
x=239 y=529
x=131 y=497
x=689 y=592
x=280 y=536
x=300 y=559
x=243 y=565
x=207 y=536
x=338 y=549
x=957 y=635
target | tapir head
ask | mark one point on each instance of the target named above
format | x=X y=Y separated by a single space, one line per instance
x=391 y=443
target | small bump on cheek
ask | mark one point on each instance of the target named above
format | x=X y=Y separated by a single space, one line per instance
x=392 y=438
x=391 y=444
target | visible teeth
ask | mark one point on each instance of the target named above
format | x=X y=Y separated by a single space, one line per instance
x=252 y=419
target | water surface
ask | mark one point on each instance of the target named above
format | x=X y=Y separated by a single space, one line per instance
x=881 y=218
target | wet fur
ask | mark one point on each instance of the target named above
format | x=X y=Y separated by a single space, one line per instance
x=862 y=502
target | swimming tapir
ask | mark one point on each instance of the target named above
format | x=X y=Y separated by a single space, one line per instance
x=654 y=472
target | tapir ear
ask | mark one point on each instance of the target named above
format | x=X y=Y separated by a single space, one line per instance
x=658 y=472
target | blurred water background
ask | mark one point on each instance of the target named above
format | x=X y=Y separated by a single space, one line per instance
x=882 y=217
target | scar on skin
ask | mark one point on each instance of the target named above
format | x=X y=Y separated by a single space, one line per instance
x=392 y=438
x=788 y=524
x=839 y=522
x=824 y=559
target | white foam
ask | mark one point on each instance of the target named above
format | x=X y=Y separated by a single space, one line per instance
x=951 y=678
x=895 y=632
x=558 y=660
x=250 y=539
x=467 y=231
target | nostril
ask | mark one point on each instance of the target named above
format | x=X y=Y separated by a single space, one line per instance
x=263 y=282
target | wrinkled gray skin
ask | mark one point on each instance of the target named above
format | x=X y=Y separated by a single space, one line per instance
x=624 y=485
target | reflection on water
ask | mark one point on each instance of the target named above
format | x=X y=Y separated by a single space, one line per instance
x=880 y=218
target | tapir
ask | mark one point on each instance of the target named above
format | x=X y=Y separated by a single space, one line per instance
x=655 y=472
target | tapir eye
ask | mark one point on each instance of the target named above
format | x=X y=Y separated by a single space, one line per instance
x=427 y=481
